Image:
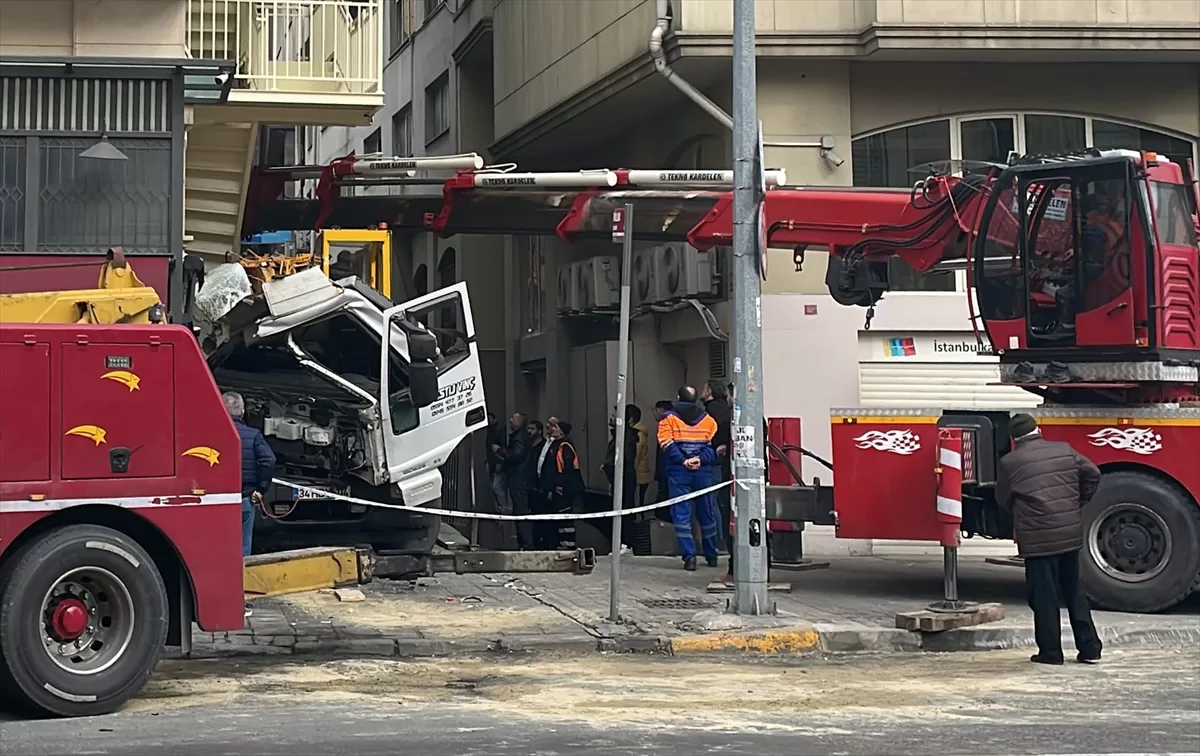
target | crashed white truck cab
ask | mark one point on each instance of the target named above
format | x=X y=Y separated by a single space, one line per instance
x=341 y=414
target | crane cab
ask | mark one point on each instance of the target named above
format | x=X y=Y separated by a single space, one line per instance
x=1087 y=270
x=365 y=253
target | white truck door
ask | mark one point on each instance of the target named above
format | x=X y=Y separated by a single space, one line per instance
x=418 y=440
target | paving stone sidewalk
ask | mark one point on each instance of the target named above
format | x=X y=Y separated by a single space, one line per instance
x=850 y=606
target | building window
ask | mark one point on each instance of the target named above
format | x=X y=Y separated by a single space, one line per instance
x=886 y=158
x=402 y=132
x=437 y=108
x=373 y=144
x=431 y=6
x=403 y=22
x=533 y=303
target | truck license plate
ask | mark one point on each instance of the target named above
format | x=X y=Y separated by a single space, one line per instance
x=317 y=492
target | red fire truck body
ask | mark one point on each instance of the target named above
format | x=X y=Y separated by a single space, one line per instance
x=120 y=487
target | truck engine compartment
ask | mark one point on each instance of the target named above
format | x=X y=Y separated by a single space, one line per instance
x=316 y=427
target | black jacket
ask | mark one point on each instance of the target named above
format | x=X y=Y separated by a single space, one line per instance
x=1045 y=485
x=495 y=437
x=609 y=466
x=516 y=457
x=718 y=409
x=561 y=469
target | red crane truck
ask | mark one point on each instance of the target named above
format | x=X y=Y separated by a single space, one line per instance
x=1085 y=277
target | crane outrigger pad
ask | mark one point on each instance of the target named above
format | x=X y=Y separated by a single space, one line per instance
x=302 y=570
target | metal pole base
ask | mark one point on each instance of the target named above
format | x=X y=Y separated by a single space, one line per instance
x=954 y=607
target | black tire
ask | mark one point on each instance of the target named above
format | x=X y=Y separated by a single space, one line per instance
x=121 y=582
x=1154 y=518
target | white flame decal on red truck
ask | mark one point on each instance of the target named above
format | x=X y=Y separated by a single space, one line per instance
x=1142 y=441
x=901 y=442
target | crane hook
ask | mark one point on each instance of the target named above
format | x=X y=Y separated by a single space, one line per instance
x=870 y=315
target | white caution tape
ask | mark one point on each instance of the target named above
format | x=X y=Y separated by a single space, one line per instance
x=318 y=493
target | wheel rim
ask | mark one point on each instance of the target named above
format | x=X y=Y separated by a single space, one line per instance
x=1130 y=542
x=87 y=620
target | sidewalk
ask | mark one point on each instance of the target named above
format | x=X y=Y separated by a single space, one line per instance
x=849 y=607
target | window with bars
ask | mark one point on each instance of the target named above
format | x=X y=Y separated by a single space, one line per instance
x=437 y=108
x=718 y=361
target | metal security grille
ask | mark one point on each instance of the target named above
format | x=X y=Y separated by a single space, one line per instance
x=40 y=104
x=87 y=206
x=12 y=193
x=717 y=360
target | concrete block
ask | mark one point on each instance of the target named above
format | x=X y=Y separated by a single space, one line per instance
x=928 y=621
x=349 y=595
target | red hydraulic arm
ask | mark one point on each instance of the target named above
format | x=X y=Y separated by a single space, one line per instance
x=927 y=224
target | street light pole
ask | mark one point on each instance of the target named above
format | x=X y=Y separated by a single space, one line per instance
x=750 y=549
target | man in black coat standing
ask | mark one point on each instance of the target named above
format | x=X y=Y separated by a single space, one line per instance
x=716 y=404
x=517 y=475
x=1045 y=485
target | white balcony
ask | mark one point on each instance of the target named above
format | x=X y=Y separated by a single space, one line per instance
x=312 y=54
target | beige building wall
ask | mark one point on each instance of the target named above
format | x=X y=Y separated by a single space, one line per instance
x=94 y=28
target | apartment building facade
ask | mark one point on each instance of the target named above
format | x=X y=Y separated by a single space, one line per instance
x=134 y=123
x=893 y=83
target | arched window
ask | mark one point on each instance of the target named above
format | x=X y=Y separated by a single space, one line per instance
x=883 y=159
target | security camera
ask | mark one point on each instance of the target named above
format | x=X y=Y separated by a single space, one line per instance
x=833 y=158
x=221 y=79
x=827 y=145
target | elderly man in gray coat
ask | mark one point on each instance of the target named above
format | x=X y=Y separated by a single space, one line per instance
x=1045 y=485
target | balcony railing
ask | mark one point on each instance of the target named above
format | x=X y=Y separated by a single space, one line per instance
x=292 y=47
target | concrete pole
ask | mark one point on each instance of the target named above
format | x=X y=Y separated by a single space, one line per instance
x=750 y=549
x=614 y=586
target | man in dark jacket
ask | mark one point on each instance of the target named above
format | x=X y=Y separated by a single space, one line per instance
x=258 y=465
x=516 y=475
x=497 y=439
x=1045 y=485
x=717 y=407
x=685 y=437
x=629 y=461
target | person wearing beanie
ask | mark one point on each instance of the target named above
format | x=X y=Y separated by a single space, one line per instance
x=1044 y=485
x=560 y=481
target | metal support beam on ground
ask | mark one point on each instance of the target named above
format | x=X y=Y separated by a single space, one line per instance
x=750 y=549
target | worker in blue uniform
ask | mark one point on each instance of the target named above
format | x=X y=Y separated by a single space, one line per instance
x=685 y=435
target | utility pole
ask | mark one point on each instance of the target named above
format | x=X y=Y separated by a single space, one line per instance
x=622 y=232
x=749 y=492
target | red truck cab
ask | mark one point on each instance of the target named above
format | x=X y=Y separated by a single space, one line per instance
x=120 y=510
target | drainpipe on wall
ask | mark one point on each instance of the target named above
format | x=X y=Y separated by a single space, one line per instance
x=659 y=56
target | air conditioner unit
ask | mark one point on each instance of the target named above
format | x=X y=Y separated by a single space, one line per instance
x=568 y=288
x=683 y=271
x=599 y=283
x=643 y=278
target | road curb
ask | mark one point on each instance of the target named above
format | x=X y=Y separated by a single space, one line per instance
x=795 y=640
x=792 y=640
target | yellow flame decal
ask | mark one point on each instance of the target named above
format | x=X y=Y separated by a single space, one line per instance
x=206 y=453
x=91 y=432
x=124 y=377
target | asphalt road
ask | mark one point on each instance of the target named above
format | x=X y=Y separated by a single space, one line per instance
x=991 y=703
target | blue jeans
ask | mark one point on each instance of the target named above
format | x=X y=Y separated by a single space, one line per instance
x=247 y=525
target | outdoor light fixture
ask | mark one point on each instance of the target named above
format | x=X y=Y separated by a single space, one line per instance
x=104 y=149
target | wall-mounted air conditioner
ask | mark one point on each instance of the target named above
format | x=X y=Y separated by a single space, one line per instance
x=599 y=283
x=643 y=279
x=683 y=271
x=568 y=288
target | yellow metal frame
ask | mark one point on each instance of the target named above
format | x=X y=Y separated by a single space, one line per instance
x=266 y=575
x=381 y=260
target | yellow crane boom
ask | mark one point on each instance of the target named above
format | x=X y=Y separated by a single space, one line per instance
x=119 y=297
